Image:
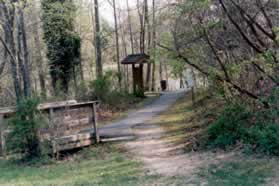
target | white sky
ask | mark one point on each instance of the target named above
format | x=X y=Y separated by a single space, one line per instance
x=106 y=9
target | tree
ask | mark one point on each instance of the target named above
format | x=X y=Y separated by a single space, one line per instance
x=39 y=58
x=99 y=65
x=147 y=24
x=130 y=27
x=117 y=42
x=141 y=10
x=9 y=11
x=154 y=46
x=25 y=66
x=62 y=42
x=235 y=49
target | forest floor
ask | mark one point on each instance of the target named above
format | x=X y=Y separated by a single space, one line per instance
x=164 y=152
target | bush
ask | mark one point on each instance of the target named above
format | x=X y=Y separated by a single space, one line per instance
x=102 y=86
x=23 y=138
x=229 y=127
x=264 y=139
x=258 y=130
x=103 y=89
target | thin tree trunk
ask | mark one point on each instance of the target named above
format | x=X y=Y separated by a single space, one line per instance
x=142 y=27
x=5 y=57
x=99 y=65
x=154 y=46
x=27 y=79
x=39 y=61
x=117 y=44
x=124 y=52
x=147 y=24
x=94 y=36
x=10 y=46
x=130 y=28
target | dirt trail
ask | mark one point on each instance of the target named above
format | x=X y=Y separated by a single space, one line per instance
x=159 y=156
x=166 y=158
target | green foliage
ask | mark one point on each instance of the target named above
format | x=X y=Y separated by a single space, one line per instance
x=178 y=67
x=248 y=172
x=104 y=90
x=229 y=127
x=258 y=130
x=62 y=43
x=23 y=138
x=139 y=92
x=102 y=87
x=265 y=139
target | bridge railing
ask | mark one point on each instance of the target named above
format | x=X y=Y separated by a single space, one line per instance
x=69 y=125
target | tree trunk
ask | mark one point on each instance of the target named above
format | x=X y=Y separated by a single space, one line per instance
x=124 y=52
x=130 y=28
x=27 y=79
x=9 y=12
x=117 y=44
x=142 y=26
x=39 y=61
x=5 y=57
x=154 y=46
x=99 y=65
x=147 y=24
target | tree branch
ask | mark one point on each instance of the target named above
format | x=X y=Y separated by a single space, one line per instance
x=219 y=78
x=245 y=37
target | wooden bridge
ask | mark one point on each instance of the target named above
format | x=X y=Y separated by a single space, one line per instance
x=69 y=125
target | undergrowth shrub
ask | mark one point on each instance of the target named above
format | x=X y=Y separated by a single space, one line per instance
x=102 y=86
x=259 y=130
x=23 y=138
x=264 y=139
x=229 y=127
x=106 y=89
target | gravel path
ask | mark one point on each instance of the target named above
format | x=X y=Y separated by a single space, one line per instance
x=149 y=146
x=124 y=126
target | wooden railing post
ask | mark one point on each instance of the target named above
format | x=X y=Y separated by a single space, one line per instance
x=52 y=131
x=95 y=123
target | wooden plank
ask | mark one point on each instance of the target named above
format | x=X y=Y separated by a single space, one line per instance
x=70 y=132
x=95 y=123
x=70 y=105
x=52 y=131
x=78 y=137
x=8 y=110
x=124 y=138
x=74 y=123
x=56 y=104
x=79 y=144
x=48 y=106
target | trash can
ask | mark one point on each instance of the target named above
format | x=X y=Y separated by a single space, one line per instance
x=163 y=85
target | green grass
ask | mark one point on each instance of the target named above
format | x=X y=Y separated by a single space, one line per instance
x=242 y=172
x=184 y=122
x=112 y=166
x=103 y=165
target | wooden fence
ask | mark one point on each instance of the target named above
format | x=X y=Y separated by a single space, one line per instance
x=69 y=125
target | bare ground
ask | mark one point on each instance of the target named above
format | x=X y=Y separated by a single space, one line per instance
x=160 y=132
x=163 y=157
